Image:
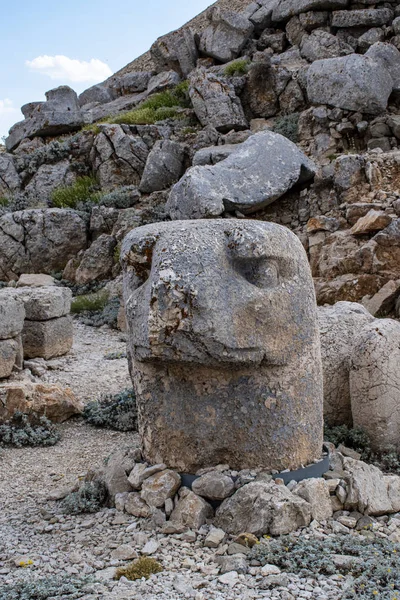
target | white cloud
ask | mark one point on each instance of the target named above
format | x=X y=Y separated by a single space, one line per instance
x=7 y=107
x=69 y=69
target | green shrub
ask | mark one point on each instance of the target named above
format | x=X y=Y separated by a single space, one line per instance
x=143 y=567
x=288 y=126
x=54 y=588
x=117 y=411
x=4 y=201
x=28 y=430
x=90 y=498
x=354 y=438
x=237 y=68
x=84 y=189
x=158 y=107
x=89 y=302
x=107 y=316
x=376 y=573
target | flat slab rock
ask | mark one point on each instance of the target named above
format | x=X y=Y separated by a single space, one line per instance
x=257 y=173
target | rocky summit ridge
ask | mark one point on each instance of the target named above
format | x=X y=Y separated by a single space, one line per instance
x=281 y=110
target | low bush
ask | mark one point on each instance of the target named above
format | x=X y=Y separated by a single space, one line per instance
x=357 y=439
x=4 y=201
x=89 y=302
x=27 y=430
x=143 y=567
x=107 y=316
x=90 y=498
x=158 y=107
x=85 y=189
x=54 y=588
x=288 y=126
x=237 y=68
x=117 y=411
x=375 y=570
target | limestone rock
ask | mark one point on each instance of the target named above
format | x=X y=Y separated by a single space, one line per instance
x=59 y=114
x=130 y=83
x=35 y=280
x=367 y=489
x=44 y=303
x=231 y=566
x=199 y=363
x=213 y=154
x=10 y=355
x=353 y=82
x=163 y=81
x=214 y=538
x=164 y=166
x=388 y=56
x=213 y=486
x=321 y=45
x=176 y=50
x=374 y=220
x=215 y=102
x=339 y=327
x=12 y=315
x=10 y=181
x=383 y=302
x=49 y=177
x=262 y=508
x=362 y=18
x=47 y=339
x=226 y=35
x=159 y=487
x=316 y=493
x=375 y=383
x=114 y=473
x=136 y=506
x=191 y=511
x=98 y=261
x=259 y=172
x=56 y=403
x=118 y=158
x=39 y=241
x=97 y=93
x=289 y=8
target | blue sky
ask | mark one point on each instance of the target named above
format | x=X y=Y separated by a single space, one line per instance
x=48 y=43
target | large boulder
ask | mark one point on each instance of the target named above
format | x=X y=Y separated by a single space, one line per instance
x=226 y=35
x=284 y=9
x=98 y=261
x=375 y=383
x=59 y=114
x=389 y=57
x=321 y=44
x=368 y=489
x=47 y=178
x=261 y=508
x=38 y=399
x=177 y=51
x=10 y=181
x=45 y=302
x=368 y=17
x=354 y=82
x=118 y=158
x=260 y=171
x=99 y=93
x=164 y=166
x=39 y=241
x=339 y=327
x=215 y=102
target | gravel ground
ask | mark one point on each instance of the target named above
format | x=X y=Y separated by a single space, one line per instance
x=85 y=369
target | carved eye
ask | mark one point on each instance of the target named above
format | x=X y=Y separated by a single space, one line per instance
x=261 y=272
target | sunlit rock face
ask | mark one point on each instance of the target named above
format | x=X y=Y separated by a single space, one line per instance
x=224 y=344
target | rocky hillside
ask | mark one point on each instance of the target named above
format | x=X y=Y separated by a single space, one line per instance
x=279 y=110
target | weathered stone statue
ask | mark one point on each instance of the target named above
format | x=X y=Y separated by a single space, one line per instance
x=224 y=343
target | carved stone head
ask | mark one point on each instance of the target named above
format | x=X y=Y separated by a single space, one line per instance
x=224 y=341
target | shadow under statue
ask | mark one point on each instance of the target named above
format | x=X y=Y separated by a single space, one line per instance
x=224 y=345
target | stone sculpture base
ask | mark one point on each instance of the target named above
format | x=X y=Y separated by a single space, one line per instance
x=195 y=418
